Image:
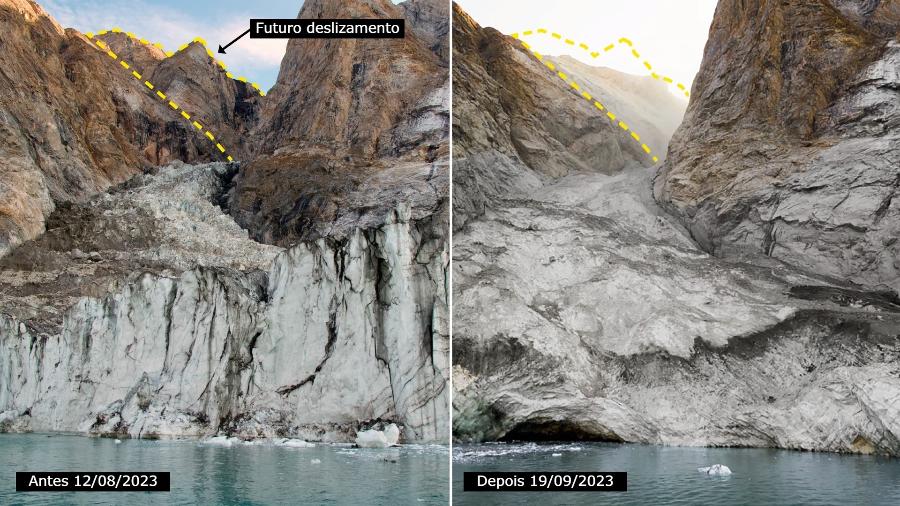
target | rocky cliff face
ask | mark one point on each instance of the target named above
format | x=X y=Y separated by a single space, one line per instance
x=147 y=310
x=609 y=321
x=77 y=122
x=347 y=119
x=790 y=145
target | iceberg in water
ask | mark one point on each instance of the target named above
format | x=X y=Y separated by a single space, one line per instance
x=221 y=441
x=293 y=443
x=377 y=438
x=715 y=469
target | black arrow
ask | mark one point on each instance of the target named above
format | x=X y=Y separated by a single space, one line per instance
x=222 y=49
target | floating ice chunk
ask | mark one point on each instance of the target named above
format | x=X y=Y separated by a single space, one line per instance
x=378 y=439
x=392 y=433
x=118 y=441
x=220 y=441
x=715 y=469
x=293 y=443
x=556 y=455
x=315 y=461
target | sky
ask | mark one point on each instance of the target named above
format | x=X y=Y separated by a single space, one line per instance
x=173 y=23
x=669 y=34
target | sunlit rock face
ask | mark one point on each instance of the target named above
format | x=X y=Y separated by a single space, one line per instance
x=301 y=292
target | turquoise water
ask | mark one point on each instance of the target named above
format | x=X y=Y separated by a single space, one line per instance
x=201 y=474
x=668 y=475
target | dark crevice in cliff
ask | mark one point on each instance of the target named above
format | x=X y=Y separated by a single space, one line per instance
x=168 y=308
x=382 y=277
x=329 y=349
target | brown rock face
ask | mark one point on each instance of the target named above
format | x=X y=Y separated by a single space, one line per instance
x=351 y=129
x=78 y=122
x=790 y=145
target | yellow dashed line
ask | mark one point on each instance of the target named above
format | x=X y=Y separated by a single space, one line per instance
x=159 y=93
x=199 y=40
x=570 y=42
x=587 y=96
x=612 y=46
x=542 y=30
